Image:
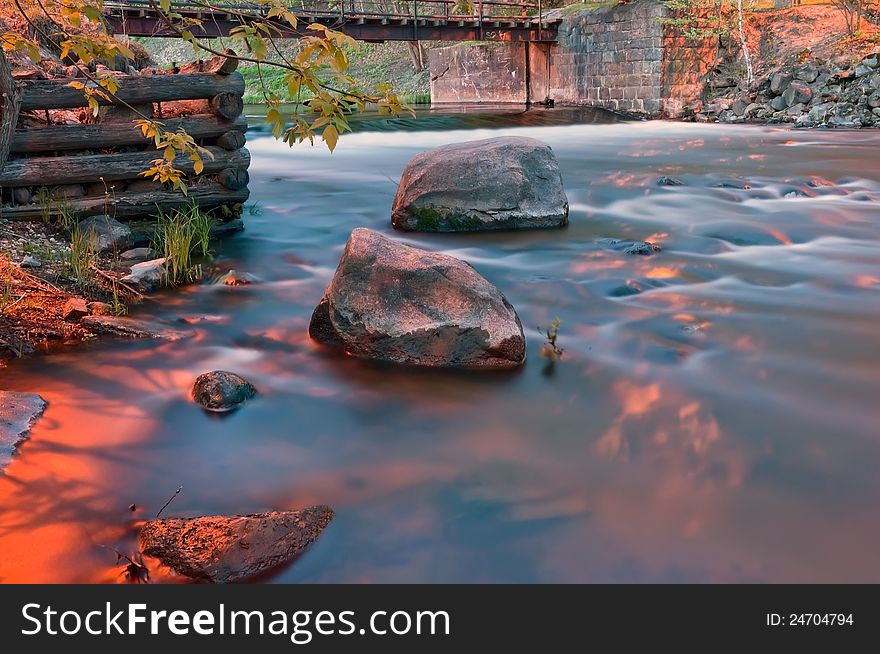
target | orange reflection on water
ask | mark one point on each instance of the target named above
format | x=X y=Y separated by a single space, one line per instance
x=867 y=281
x=779 y=236
x=661 y=272
x=594 y=261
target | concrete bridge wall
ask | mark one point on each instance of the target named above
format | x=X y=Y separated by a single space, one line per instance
x=622 y=58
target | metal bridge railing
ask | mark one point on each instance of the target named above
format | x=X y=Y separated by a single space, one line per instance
x=482 y=11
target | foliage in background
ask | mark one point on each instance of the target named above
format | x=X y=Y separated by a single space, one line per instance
x=708 y=19
x=854 y=12
x=75 y=28
x=702 y=19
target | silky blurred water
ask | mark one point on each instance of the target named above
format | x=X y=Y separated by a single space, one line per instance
x=714 y=417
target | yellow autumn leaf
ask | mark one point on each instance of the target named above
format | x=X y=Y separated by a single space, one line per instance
x=330 y=136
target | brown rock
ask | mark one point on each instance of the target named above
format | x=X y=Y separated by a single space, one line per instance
x=100 y=309
x=74 y=309
x=227 y=549
x=131 y=328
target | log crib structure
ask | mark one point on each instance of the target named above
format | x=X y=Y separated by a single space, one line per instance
x=93 y=166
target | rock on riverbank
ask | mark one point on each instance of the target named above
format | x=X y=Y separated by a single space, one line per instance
x=509 y=182
x=227 y=549
x=392 y=302
x=18 y=412
x=835 y=93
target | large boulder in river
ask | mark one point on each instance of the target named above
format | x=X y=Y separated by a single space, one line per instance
x=18 y=412
x=227 y=549
x=510 y=182
x=392 y=302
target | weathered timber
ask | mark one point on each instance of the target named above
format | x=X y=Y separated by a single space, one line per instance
x=234 y=179
x=206 y=194
x=88 y=137
x=227 y=105
x=218 y=64
x=233 y=139
x=50 y=171
x=133 y=89
x=10 y=104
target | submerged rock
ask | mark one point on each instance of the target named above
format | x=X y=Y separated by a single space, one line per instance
x=643 y=248
x=131 y=328
x=227 y=549
x=739 y=233
x=392 y=302
x=235 y=278
x=508 y=182
x=18 y=412
x=222 y=391
x=220 y=230
x=108 y=234
x=665 y=180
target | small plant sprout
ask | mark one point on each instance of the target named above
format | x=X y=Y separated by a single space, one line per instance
x=551 y=350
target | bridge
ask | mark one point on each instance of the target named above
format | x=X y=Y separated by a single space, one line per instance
x=365 y=20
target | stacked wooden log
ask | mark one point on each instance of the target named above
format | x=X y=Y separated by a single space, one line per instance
x=97 y=167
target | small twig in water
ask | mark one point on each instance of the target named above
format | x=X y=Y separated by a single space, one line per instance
x=135 y=571
x=170 y=499
x=113 y=280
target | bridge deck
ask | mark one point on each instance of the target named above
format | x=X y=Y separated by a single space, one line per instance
x=366 y=20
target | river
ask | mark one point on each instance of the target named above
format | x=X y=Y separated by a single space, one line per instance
x=715 y=416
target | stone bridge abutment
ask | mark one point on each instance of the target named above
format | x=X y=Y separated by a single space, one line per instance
x=624 y=58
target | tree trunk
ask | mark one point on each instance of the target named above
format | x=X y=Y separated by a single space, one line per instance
x=233 y=139
x=416 y=55
x=218 y=64
x=60 y=138
x=207 y=194
x=133 y=89
x=52 y=171
x=227 y=105
x=10 y=104
x=743 y=43
x=234 y=179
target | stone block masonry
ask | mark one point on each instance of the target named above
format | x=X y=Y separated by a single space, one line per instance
x=482 y=73
x=623 y=58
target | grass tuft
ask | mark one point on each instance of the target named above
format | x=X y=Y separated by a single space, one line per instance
x=179 y=236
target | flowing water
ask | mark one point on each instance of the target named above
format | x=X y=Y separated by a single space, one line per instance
x=715 y=415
